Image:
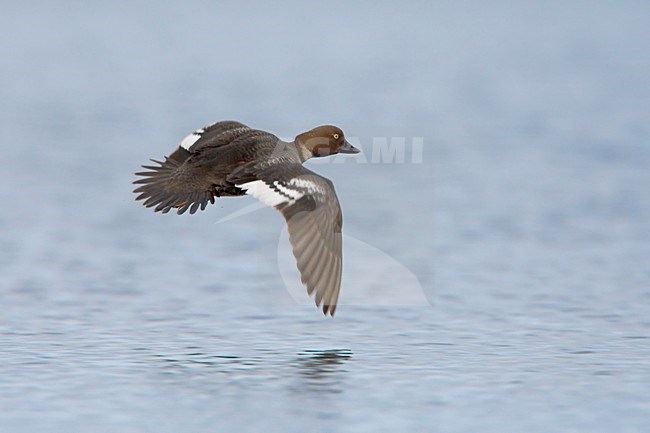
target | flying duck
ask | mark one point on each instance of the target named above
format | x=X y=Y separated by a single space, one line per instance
x=229 y=159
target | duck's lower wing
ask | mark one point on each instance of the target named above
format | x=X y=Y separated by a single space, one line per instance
x=309 y=204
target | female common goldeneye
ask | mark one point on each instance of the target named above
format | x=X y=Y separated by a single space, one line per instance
x=230 y=159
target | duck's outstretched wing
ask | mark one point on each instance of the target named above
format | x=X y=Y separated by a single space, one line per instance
x=309 y=204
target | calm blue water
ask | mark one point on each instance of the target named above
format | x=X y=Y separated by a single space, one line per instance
x=499 y=284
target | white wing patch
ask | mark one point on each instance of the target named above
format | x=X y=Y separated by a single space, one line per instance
x=188 y=141
x=291 y=194
x=271 y=195
x=307 y=185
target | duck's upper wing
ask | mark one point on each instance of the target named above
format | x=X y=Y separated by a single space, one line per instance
x=194 y=174
x=215 y=135
x=309 y=204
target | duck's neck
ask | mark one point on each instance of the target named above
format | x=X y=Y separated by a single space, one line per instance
x=303 y=153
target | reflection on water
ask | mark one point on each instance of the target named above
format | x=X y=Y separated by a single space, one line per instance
x=323 y=370
x=222 y=363
x=315 y=370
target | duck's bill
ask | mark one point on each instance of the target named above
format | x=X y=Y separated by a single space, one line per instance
x=348 y=148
